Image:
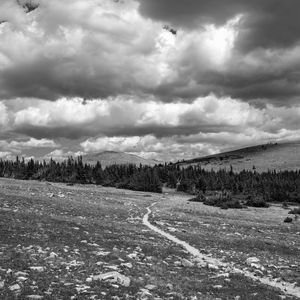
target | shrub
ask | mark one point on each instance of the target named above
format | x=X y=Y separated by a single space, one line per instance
x=223 y=200
x=288 y=220
x=231 y=204
x=199 y=198
x=295 y=211
x=256 y=202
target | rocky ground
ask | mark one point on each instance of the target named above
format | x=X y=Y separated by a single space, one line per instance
x=89 y=242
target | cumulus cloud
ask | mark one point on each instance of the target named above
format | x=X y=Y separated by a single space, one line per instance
x=60 y=154
x=94 y=51
x=97 y=49
x=265 y=23
x=163 y=149
x=19 y=146
x=75 y=118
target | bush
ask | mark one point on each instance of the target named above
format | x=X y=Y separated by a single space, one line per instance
x=295 y=211
x=256 y=202
x=199 y=198
x=223 y=200
x=288 y=220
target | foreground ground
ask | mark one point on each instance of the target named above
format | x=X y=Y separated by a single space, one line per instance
x=89 y=242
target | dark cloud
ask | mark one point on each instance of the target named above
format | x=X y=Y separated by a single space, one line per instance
x=266 y=23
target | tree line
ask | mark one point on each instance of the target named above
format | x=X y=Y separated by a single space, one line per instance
x=280 y=186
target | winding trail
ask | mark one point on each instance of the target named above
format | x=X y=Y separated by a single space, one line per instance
x=207 y=261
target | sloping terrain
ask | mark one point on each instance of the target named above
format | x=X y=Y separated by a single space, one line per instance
x=112 y=157
x=89 y=242
x=277 y=156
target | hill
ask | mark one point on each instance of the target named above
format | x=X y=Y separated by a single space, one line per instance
x=112 y=157
x=273 y=156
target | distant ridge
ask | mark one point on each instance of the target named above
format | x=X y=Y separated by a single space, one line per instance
x=272 y=156
x=113 y=157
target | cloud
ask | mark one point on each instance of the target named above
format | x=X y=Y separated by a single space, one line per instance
x=146 y=127
x=264 y=23
x=100 y=49
x=3 y=116
x=60 y=154
x=6 y=155
x=19 y=146
x=96 y=74
x=75 y=118
x=163 y=149
x=95 y=51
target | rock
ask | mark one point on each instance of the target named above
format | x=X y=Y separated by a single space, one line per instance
x=252 y=260
x=133 y=255
x=15 y=288
x=102 y=253
x=212 y=267
x=37 y=269
x=170 y=286
x=144 y=294
x=19 y=273
x=186 y=263
x=150 y=287
x=237 y=297
x=1 y=285
x=53 y=255
x=218 y=286
x=113 y=277
x=34 y=297
x=22 y=278
x=127 y=265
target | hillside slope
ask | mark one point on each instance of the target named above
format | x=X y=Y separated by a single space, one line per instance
x=112 y=157
x=277 y=156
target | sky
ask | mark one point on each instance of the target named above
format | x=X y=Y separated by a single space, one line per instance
x=163 y=79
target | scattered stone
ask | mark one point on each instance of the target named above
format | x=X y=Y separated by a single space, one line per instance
x=22 y=278
x=212 y=267
x=127 y=265
x=102 y=253
x=37 y=269
x=34 y=297
x=15 y=288
x=251 y=260
x=150 y=287
x=113 y=277
x=217 y=286
x=186 y=263
x=19 y=273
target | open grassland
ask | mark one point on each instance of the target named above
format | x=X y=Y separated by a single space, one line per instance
x=58 y=242
x=280 y=157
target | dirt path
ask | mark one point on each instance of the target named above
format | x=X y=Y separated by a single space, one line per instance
x=205 y=260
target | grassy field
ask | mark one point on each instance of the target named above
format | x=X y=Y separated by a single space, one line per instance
x=280 y=157
x=89 y=242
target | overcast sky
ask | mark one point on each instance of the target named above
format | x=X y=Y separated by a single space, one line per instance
x=164 y=79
